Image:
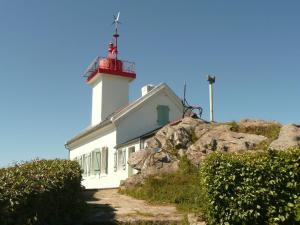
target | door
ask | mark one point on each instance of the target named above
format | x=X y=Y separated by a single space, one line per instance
x=130 y=169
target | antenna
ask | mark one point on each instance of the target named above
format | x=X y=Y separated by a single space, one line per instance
x=116 y=35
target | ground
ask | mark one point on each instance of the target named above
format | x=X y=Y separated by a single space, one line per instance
x=110 y=207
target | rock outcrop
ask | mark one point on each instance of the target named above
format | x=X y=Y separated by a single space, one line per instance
x=195 y=139
x=289 y=136
x=257 y=123
x=221 y=138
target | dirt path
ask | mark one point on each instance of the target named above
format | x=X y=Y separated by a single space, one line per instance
x=109 y=207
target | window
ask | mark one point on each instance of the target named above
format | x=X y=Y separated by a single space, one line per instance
x=89 y=164
x=80 y=159
x=96 y=161
x=115 y=160
x=104 y=162
x=84 y=165
x=162 y=114
x=122 y=159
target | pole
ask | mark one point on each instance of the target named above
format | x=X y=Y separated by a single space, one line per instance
x=211 y=103
x=211 y=80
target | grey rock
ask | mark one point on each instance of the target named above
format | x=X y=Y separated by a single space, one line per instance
x=196 y=139
x=289 y=136
x=221 y=138
x=137 y=159
x=257 y=123
x=131 y=182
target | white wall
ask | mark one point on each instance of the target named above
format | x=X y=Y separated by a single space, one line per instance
x=105 y=138
x=144 y=119
x=110 y=92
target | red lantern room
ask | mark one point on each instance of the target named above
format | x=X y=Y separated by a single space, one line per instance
x=111 y=64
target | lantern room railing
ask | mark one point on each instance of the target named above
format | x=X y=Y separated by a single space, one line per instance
x=109 y=64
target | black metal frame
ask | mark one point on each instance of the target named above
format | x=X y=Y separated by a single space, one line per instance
x=187 y=108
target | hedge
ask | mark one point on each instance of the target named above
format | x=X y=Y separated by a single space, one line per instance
x=41 y=192
x=252 y=188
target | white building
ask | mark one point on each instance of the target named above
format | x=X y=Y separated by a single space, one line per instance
x=117 y=127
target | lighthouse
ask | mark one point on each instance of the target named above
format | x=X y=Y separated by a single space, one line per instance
x=109 y=78
x=119 y=128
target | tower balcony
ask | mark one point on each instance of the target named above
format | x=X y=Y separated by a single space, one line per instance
x=110 y=66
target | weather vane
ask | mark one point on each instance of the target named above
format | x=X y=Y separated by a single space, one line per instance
x=116 y=21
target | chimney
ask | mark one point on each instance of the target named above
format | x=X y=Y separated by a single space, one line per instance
x=147 y=88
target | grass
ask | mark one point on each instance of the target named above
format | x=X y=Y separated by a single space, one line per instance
x=180 y=188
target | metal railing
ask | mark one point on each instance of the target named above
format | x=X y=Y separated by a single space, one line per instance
x=127 y=67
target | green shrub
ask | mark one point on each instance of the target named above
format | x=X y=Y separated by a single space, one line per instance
x=251 y=188
x=41 y=192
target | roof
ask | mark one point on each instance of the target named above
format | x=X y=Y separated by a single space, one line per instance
x=121 y=113
x=141 y=137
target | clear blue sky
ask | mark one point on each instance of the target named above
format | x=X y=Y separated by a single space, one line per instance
x=253 y=47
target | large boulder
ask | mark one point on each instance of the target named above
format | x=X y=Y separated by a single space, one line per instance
x=132 y=181
x=149 y=162
x=195 y=139
x=289 y=136
x=137 y=159
x=221 y=138
x=178 y=135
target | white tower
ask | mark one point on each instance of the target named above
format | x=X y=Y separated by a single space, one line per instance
x=109 y=78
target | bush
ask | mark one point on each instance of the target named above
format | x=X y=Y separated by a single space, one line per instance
x=41 y=192
x=251 y=188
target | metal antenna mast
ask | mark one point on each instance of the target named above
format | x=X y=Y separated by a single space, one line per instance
x=116 y=22
x=211 y=80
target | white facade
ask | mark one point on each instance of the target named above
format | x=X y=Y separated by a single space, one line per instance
x=103 y=149
x=110 y=92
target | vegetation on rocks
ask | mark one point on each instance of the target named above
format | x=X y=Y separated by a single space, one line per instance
x=271 y=131
x=180 y=188
x=229 y=184
x=41 y=192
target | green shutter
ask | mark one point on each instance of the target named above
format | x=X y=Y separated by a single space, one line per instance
x=92 y=162
x=97 y=161
x=162 y=114
x=104 y=165
x=124 y=158
x=115 y=160
x=84 y=165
